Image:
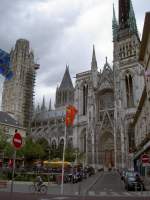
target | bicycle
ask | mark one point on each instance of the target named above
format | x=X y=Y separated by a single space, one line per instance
x=38 y=188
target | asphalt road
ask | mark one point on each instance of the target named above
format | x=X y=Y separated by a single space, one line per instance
x=22 y=196
x=102 y=186
x=110 y=184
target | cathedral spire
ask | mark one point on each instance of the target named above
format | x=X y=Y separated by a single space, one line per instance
x=66 y=81
x=50 y=105
x=132 y=20
x=127 y=16
x=43 y=107
x=114 y=25
x=124 y=9
x=94 y=62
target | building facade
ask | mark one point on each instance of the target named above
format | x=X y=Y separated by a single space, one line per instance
x=106 y=101
x=8 y=126
x=93 y=128
x=128 y=80
x=141 y=123
x=50 y=124
x=17 y=97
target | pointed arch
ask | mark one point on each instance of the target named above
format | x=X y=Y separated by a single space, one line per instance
x=54 y=144
x=85 y=98
x=83 y=140
x=129 y=89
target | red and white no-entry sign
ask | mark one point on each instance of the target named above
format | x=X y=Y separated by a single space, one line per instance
x=17 y=140
x=145 y=158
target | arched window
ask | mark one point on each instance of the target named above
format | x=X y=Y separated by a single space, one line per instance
x=131 y=139
x=54 y=144
x=61 y=144
x=84 y=143
x=129 y=90
x=85 y=98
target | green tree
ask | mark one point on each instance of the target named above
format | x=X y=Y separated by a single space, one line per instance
x=32 y=150
x=8 y=150
x=45 y=147
x=70 y=154
x=3 y=140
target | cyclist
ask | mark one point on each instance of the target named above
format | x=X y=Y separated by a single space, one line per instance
x=39 y=182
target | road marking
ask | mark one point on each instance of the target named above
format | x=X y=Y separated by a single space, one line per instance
x=91 y=193
x=115 y=194
x=60 y=198
x=103 y=193
x=76 y=193
x=44 y=199
x=127 y=194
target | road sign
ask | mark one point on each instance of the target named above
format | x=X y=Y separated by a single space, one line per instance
x=145 y=158
x=17 y=140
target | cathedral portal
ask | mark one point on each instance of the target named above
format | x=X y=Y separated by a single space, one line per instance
x=106 y=150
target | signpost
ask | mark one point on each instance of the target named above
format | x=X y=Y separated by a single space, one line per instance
x=17 y=144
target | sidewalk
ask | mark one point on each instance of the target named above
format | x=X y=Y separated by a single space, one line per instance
x=147 y=183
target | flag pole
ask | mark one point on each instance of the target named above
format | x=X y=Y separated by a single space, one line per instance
x=62 y=176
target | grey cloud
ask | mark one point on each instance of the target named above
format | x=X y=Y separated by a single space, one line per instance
x=49 y=38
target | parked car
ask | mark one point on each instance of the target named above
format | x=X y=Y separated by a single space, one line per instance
x=134 y=182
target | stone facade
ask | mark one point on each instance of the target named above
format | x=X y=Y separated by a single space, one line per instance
x=128 y=79
x=141 y=123
x=50 y=124
x=106 y=100
x=93 y=129
x=17 y=97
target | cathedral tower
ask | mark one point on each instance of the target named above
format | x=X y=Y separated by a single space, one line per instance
x=128 y=81
x=65 y=92
x=17 y=97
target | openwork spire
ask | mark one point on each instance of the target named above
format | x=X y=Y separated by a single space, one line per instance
x=124 y=8
x=132 y=20
x=94 y=62
x=114 y=25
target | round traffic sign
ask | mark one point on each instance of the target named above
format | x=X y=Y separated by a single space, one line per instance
x=17 y=140
x=145 y=158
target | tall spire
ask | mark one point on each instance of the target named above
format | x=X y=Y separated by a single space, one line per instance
x=94 y=62
x=132 y=20
x=66 y=81
x=43 y=107
x=127 y=16
x=50 y=105
x=114 y=25
x=124 y=8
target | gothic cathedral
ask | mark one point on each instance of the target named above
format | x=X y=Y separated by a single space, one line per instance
x=107 y=100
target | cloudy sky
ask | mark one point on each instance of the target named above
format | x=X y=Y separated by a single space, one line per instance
x=62 y=32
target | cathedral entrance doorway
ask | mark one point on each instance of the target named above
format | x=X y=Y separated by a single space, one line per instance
x=106 y=150
x=108 y=159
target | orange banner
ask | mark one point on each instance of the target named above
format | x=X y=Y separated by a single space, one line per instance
x=70 y=115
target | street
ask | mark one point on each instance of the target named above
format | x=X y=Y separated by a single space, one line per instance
x=102 y=185
x=19 y=196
